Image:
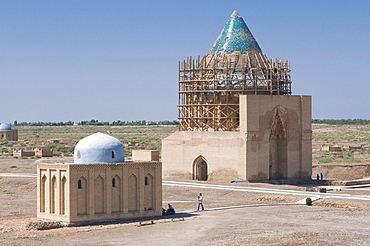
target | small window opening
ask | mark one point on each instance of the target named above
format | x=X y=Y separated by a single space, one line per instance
x=147 y=182
x=114 y=183
x=113 y=154
x=80 y=184
x=78 y=154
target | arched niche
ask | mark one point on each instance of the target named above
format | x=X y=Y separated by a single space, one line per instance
x=82 y=188
x=99 y=192
x=116 y=194
x=133 y=193
x=148 y=191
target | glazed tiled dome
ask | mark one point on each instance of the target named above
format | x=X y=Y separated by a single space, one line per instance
x=5 y=127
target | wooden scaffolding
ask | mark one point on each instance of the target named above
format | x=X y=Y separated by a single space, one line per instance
x=209 y=88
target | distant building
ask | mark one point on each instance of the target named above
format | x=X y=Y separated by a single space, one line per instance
x=43 y=153
x=99 y=185
x=7 y=133
x=341 y=148
x=355 y=147
x=332 y=148
x=23 y=153
x=34 y=152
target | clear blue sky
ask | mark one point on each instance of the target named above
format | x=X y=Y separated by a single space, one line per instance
x=117 y=60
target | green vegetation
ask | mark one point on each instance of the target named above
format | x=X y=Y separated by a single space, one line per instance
x=65 y=149
x=308 y=201
x=13 y=166
x=348 y=159
x=325 y=159
x=342 y=121
x=330 y=159
x=62 y=139
x=98 y=123
x=362 y=135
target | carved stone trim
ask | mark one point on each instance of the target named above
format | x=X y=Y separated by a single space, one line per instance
x=278 y=125
x=252 y=136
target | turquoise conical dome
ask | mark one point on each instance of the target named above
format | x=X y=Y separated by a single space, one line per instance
x=235 y=37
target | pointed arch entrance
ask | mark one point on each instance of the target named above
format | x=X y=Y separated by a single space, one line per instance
x=200 y=169
x=278 y=168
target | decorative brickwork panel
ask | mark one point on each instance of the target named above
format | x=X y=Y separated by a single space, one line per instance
x=148 y=191
x=132 y=193
x=116 y=194
x=82 y=196
x=99 y=195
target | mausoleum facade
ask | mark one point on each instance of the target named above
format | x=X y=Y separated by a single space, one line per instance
x=99 y=185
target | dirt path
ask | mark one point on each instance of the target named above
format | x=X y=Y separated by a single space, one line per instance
x=328 y=222
x=275 y=225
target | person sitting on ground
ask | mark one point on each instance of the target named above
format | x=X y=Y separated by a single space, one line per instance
x=170 y=210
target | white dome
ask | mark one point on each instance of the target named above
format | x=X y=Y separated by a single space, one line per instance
x=99 y=148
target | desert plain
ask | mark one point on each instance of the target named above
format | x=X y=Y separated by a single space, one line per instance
x=231 y=217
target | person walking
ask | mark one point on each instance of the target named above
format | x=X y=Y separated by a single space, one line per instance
x=200 y=201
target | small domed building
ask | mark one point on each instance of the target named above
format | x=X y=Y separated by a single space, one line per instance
x=7 y=133
x=99 y=185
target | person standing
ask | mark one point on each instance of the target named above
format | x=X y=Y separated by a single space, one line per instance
x=200 y=201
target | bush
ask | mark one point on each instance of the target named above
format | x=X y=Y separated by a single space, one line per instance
x=13 y=166
x=308 y=201
x=35 y=157
x=57 y=153
x=15 y=157
x=325 y=159
x=349 y=160
x=60 y=148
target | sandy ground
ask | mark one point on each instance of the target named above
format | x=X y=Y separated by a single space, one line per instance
x=328 y=222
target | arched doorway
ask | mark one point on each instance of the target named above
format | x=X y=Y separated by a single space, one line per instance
x=200 y=169
x=278 y=158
